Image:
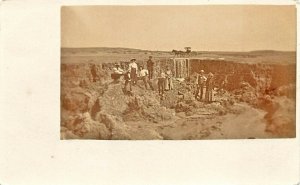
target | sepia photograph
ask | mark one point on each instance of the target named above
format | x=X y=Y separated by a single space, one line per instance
x=149 y=92
x=194 y=72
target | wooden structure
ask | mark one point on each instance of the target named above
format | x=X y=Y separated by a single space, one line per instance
x=181 y=67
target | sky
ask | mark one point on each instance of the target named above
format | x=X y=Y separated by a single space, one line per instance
x=203 y=28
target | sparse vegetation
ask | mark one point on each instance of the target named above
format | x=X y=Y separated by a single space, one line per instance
x=251 y=103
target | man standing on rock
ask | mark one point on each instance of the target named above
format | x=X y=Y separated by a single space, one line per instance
x=150 y=66
x=200 y=83
x=161 y=83
x=133 y=68
x=143 y=74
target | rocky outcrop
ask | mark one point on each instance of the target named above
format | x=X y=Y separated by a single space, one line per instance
x=262 y=77
x=83 y=126
x=92 y=107
x=98 y=109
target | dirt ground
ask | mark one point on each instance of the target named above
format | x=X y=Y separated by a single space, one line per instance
x=93 y=106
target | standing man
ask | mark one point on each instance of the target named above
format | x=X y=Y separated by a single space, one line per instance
x=161 y=83
x=169 y=81
x=150 y=66
x=209 y=88
x=200 y=83
x=133 y=68
x=144 y=74
x=127 y=82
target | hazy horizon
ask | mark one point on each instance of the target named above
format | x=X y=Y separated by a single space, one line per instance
x=108 y=47
x=233 y=28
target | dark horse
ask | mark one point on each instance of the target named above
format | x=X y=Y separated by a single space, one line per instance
x=178 y=53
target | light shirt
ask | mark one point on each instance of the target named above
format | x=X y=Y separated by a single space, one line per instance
x=133 y=65
x=162 y=75
x=169 y=73
x=144 y=72
x=118 y=70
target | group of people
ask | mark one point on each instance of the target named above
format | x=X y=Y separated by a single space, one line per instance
x=207 y=83
x=135 y=72
x=204 y=84
x=165 y=81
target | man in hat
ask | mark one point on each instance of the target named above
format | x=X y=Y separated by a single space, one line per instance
x=117 y=69
x=150 y=66
x=117 y=72
x=133 y=68
x=200 y=83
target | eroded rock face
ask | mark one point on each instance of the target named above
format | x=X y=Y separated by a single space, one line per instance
x=81 y=87
x=95 y=108
x=246 y=93
x=83 y=126
x=260 y=76
x=78 y=101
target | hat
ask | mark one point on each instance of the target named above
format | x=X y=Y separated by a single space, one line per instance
x=116 y=64
x=201 y=71
x=133 y=59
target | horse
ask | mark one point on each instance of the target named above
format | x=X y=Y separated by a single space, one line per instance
x=178 y=53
